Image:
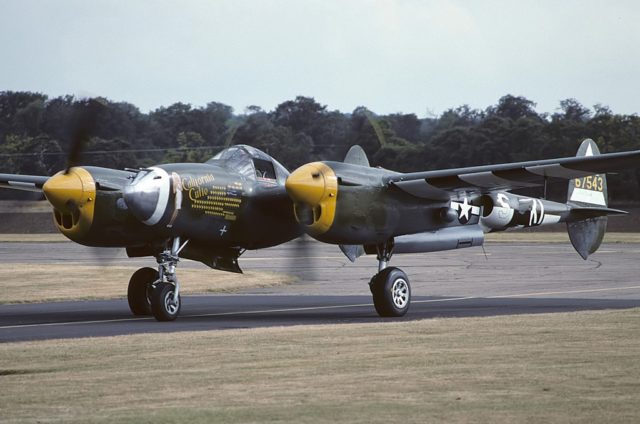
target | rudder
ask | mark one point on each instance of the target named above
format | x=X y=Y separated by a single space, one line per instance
x=587 y=192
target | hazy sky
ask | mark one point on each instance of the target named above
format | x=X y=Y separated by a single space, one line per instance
x=389 y=55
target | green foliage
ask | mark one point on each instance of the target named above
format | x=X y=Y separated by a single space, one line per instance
x=191 y=148
x=31 y=155
x=113 y=153
x=513 y=108
x=35 y=131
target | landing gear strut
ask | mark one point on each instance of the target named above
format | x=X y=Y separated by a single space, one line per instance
x=157 y=293
x=390 y=286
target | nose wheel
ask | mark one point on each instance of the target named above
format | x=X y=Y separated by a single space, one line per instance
x=164 y=305
x=154 y=292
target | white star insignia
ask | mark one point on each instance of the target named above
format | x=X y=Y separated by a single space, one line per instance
x=465 y=208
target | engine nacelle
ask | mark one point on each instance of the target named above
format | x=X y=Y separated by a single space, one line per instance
x=88 y=207
x=505 y=210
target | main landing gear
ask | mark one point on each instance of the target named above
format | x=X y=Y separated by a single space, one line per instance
x=154 y=292
x=390 y=286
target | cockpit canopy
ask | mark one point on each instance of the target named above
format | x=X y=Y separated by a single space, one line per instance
x=253 y=163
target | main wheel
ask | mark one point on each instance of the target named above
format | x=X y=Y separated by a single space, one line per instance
x=162 y=305
x=391 y=292
x=139 y=292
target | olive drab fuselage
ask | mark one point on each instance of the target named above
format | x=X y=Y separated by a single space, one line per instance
x=210 y=204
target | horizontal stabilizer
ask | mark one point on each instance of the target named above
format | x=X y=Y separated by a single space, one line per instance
x=579 y=214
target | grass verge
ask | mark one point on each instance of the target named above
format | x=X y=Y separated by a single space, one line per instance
x=34 y=238
x=30 y=283
x=570 y=367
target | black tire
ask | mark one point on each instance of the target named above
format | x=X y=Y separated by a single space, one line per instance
x=391 y=292
x=162 y=303
x=139 y=292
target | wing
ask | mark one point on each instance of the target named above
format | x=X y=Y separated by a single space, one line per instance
x=438 y=185
x=23 y=182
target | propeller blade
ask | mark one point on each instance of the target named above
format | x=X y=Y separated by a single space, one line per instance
x=106 y=256
x=301 y=260
x=86 y=120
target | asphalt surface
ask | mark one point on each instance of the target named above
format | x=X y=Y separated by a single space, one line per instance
x=503 y=279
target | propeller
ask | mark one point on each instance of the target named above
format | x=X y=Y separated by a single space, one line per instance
x=376 y=128
x=301 y=259
x=313 y=188
x=85 y=123
x=72 y=191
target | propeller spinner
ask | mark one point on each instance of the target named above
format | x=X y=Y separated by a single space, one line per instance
x=72 y=194
x=314 y=189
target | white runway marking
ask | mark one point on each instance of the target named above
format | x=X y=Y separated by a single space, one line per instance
x=49 y=324
x=564 y=292
x=319 y=308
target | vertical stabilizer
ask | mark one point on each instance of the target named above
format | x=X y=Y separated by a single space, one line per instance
x=356 y=156
x=587 y=192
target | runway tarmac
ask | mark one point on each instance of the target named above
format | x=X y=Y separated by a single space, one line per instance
x=505 y=278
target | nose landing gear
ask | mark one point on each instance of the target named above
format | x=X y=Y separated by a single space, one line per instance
x=154 y=292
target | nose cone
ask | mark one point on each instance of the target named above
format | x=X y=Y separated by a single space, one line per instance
x=314 y=189
x=72 y=196
x=307 y=184
x=148 y=194
x=64 y=190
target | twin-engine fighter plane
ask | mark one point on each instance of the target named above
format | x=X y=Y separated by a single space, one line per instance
x=244 y=199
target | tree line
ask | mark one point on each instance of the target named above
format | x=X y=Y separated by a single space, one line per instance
x=36 y=132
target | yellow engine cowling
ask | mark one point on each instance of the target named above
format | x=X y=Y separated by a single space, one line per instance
x=314 y=189
x=72 y=196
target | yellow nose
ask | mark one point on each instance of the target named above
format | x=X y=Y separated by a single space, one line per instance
x=64 y=190
x=307 y=184
x=72 y=196
x=314 y=189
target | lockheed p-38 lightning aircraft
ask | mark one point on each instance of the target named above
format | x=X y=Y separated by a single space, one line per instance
x=244 y=199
